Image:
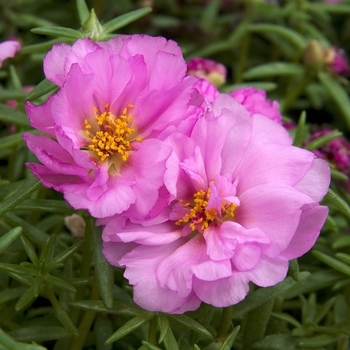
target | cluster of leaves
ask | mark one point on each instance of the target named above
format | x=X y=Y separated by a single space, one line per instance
x=58 y=291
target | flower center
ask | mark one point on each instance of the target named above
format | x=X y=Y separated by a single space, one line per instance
x=110 y=135
x=200 y=216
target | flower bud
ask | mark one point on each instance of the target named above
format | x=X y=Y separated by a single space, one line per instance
x=314 y=55
x=76 y=225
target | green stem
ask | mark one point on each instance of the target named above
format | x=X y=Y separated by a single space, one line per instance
x=85 y=265
x=245 y=45
x=61 y=313
x=87 y=321
x=152 y=331
x=225 y=322
x=295 y=93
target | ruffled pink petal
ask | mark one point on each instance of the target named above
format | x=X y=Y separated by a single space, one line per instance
x=174 y=177
x=268 y=272
x=316 y=181
x=149 y=47
x=275 y=209
x=114 y=251
x=141 y=267
x=236 y=142
x=112 y=198
x=53 y=156
x=176 y=271
x=72 y=146
x=160 y=109
x=104 y=66
x=155 y=235
x=219 y=247
x=207 y=89
x=272 y=163
x=130 y=86
x=246 y=256
x=172 y=65
x=51 y=179
x=212 y=270
x=40 y=117
x=311 y=222
x=211 y=132
x=146 y=167
x=54 y=63
x=194 y=167
x=111 y=226
x=223 y=292
x=80 y=49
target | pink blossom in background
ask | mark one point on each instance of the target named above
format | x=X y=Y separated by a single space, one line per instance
x=256 y=102
x=336 y=61
x=104 y=148
x=336 y=152
x=245 y=202
x=207 y=69
x=8 y=49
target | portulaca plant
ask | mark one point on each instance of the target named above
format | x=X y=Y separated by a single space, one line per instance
x=158 y=191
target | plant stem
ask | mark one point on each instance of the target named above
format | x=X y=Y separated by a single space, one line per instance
x=152 y=338
x=85 y=265
x=87 y=321
x=225 y=322
x=244 y=49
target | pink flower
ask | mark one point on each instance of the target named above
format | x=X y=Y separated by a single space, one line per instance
x=8 y=49
x=245 y=202
x=256 y=102
x=105 y=150
x=336 y=152
x=336 y=61
x=207 y=69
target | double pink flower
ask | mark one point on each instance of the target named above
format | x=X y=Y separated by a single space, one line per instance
x=199 y=193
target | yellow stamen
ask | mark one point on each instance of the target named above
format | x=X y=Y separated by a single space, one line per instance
x=111 y=135
x=200 y=216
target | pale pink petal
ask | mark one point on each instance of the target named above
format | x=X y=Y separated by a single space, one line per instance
x=141 y=265
x=176 y=271
x=316 y=181
x=311 y=222
x=54 y=63
x=275 y=209
x=114 y=251
x=35 y=114
x=112 y=198
x=212 y=270
x=79 y=51
x=8 y=49
x=53 y=156
x=51 y=179
x=268 y=272
x=223 y=292
x=246 y=256
x=272 y=163
x=146 y=167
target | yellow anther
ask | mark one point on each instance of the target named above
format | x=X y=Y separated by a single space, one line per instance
x=112 y=134
x=199 y=216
